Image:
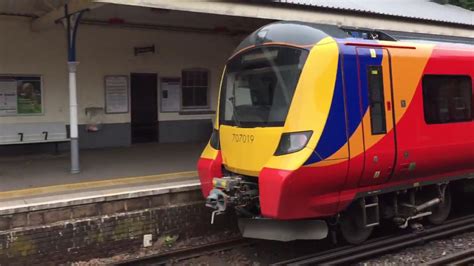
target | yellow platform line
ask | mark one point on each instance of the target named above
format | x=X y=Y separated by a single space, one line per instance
x=28 y=192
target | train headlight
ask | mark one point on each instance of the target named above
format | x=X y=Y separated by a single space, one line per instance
x=214 y=142
x=293 y=142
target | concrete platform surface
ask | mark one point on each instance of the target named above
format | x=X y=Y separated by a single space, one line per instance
x=63 y=199
x=21 y=176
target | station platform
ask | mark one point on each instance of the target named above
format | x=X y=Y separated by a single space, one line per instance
x=124 y=201
x=128 y=172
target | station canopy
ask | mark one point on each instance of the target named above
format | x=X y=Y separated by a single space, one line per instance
x=436 y=18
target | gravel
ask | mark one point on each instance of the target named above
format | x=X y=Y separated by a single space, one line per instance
x=263 y=252
x=425 y=253
x=267 y=252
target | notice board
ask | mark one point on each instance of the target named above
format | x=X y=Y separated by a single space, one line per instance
x=170 y=94
x=20 y=95
x=116 y=94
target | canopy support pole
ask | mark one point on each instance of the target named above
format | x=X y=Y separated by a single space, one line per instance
x=71 y=22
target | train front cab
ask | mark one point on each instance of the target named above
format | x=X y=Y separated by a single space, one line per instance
x=272 y=150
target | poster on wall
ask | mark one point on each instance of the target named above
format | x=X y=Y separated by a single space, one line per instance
x=21 y=95
x=170 y=94
x=116 y=94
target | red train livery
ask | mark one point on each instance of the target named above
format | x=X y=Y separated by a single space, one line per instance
x=318 y=130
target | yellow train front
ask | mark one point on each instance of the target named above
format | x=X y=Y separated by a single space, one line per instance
x=306 y=126
x=263 y=134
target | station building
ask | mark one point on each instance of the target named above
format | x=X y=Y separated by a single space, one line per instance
x=106 y=105
x=148 y=72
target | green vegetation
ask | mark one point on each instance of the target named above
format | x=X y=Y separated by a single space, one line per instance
x=467 y=4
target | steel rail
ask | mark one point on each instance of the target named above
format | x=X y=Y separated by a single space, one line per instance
x=465 y=257
x=383 y=245
x=187 y=253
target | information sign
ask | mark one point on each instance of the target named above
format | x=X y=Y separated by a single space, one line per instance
x=170 y=94
x=20 y=95
x=116 y=94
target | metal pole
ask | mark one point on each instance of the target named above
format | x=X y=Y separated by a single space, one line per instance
x=75 y=168
x=72 y=23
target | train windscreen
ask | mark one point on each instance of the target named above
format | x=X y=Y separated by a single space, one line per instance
x=258 y=86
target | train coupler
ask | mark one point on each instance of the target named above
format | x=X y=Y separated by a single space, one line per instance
x=218 y=201
x=219 y=198
x=232 y=191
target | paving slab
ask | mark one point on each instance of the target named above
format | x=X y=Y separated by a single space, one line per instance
x=143 y=160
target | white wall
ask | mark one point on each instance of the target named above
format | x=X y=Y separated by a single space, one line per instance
x=24 y=52
x=104 y=51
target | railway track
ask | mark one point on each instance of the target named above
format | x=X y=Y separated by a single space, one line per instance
x=183 y=254
x=377 y=247
x=339 y=256
x=465 y=257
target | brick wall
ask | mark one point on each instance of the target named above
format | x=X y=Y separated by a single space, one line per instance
x=103 y=229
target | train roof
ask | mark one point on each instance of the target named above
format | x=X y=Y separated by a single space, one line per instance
x=308 y=34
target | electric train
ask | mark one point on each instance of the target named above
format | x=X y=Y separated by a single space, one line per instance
x=321 y=129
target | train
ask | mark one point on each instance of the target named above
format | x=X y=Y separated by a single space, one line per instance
x=323 y=129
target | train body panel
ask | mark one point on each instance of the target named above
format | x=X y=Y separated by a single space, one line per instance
x=440 y=148
x=251 y=148
x=360 y=107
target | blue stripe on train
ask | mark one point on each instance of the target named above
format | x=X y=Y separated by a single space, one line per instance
x=334 y=134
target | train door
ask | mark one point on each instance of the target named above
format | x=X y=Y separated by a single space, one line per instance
x=378 y=125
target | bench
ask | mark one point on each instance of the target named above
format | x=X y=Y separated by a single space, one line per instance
x=30 y=133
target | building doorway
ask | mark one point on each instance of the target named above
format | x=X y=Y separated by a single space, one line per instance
x=144 y=107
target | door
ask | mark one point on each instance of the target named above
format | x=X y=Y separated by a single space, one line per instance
x=378 y=121
x=144 y=106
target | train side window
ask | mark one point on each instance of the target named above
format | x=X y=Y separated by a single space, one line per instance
x=447 y=99
x=376 y=100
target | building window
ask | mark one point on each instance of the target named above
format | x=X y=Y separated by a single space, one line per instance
x=447 y=99
x=195 y=87
x=376 y=99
